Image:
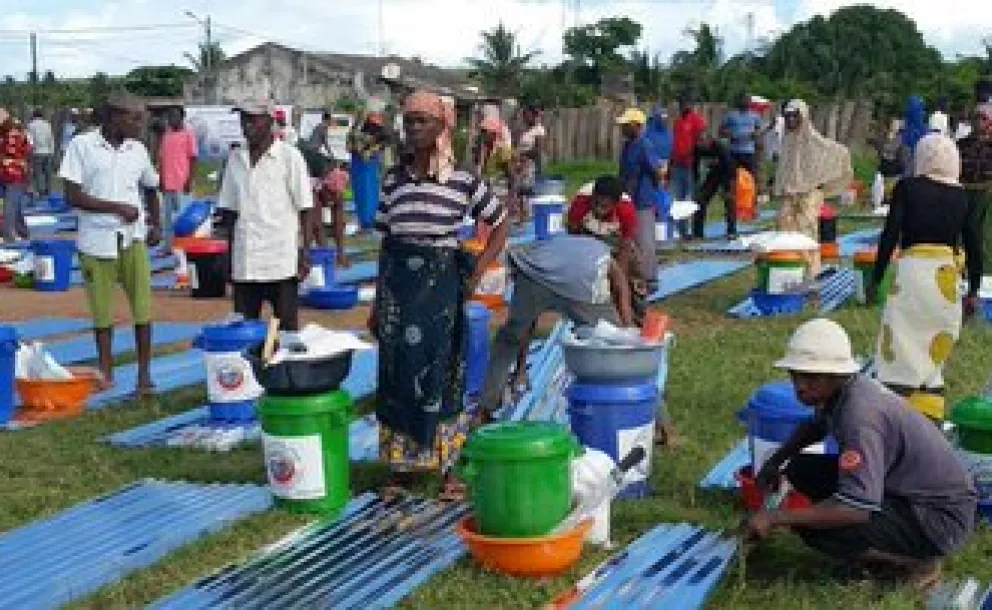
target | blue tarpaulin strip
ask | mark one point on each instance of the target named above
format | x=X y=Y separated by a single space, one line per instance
x=369 y=559
x=42 y=328
x=680 y=277
x=671 y=567
x=722 y=475
x=74 y=351
x=60 y=560
x=168 y=373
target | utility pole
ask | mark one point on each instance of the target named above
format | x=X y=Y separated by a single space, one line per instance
x=34 y=68
x=382 y=32
x=210 y=46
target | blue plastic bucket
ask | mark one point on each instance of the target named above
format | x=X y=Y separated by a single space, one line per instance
x=8 y=351
x=663 y=203
x=58 y=204
x=553 y=185
x=321 y=268
x=772 y=414
x=231 y=387
x=365 y=188
x=191 y=218
x=477 y=352
x=778 y=304
x=52 y=265
x=615 y=419
x=548 y=219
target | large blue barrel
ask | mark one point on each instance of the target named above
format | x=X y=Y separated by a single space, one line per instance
x=8 y=351
x=615 y=419
x=232 y=390
x=477 y=353
x=365 y=188
x=52 y=265
x=772 y=414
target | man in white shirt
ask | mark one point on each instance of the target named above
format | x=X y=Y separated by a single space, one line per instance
x=43 y=143
x=265 y=201
x=109 y=178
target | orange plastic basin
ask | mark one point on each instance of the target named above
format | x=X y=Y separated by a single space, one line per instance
x=784 y=257
x=45 y=399
x=531 y=557
x=866 y=256
x=831 y=251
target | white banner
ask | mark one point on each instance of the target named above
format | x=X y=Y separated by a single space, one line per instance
x=217 y=127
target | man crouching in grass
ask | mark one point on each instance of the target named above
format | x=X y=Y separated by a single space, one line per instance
x=897 y=498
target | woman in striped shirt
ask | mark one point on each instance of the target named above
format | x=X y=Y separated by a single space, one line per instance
x=424 y=280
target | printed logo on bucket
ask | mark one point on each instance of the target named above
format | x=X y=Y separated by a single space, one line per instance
x=230 y=377
x=283 y=464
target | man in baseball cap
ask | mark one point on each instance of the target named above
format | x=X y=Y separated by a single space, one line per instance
x=896 y=497
x=265 y=202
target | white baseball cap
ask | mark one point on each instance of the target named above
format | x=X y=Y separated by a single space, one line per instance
x=819 y=346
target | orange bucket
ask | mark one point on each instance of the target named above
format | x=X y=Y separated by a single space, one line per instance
x=656 y=324
x=784 y=257
x=531 y=557
x=866 y=257
x=45 y=399
x=492 y=301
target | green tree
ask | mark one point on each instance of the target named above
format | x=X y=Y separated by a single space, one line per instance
x=99 y=89
x=206 y=55
x=503 y=63
x=596 y=49
x=157 y=81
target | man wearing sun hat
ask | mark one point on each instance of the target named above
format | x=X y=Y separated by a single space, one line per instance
x=896 y=497
x=266 y=201
x=642 y=171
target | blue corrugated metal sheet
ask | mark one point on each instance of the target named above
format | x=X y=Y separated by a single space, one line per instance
x=672 y=567
x=837 y=290
x=360 y=384
x=370 y=559
x=720 y=247
x=42 y=328
x=722 y=475
x=860 y=240
x=681 y=277
x=54 y=562
x=81 y=349
x=168 y=372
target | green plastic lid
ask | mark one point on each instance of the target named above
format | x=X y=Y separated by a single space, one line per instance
x=337 y=401
x=521 y=441
x=974 y=413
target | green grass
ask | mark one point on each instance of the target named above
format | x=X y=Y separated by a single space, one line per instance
x=715 y=365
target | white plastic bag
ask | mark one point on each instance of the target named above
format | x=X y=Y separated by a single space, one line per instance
x=877 y=191
x=32 y=361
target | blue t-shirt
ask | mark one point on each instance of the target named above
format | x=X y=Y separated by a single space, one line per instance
x=742 y=126
x=639 y=164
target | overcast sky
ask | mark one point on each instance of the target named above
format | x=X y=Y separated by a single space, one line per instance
x=440 y=31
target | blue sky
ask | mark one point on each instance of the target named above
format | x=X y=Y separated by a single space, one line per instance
x=440 y=31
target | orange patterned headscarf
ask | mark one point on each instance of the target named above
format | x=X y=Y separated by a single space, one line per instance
x=443 y=160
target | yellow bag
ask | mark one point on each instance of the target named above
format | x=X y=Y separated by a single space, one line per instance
x=745 y=195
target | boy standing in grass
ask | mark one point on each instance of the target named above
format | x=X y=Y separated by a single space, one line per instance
x=109 y=178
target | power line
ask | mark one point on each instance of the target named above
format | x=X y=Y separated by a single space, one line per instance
x=96 y=30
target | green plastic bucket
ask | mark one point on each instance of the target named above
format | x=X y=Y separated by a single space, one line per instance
x=779 y=271
x=973 y=419
x=519 y=477
x=864 y=267
x=305 y=441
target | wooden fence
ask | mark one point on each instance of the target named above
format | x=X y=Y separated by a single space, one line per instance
x=590 y=133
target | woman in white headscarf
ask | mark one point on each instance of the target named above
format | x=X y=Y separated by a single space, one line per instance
x=933 y=222
x=810 y=168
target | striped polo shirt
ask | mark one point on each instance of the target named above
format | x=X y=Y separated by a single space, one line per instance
x=429 y=213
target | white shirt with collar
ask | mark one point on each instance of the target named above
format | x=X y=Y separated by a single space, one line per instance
x=112 y=174
x=268 y=199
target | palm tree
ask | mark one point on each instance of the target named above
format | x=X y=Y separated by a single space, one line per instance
x=207 y=56
x=502 y=64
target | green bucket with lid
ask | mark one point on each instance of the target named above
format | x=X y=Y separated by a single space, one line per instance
x=519 y=477
x=305 y=442
x=973 y=420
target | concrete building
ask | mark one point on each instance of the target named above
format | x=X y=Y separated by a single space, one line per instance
x=320 y=80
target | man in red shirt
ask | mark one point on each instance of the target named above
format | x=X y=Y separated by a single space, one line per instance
x=15 y=175
x=688 y=129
